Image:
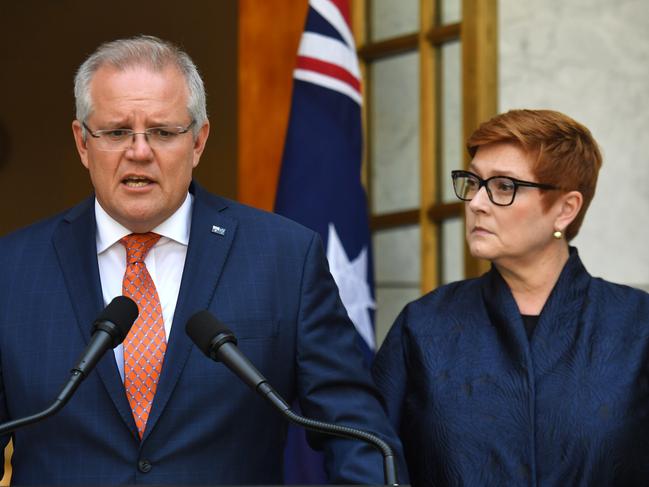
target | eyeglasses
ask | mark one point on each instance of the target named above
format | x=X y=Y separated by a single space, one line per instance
x=122 y=139
x=500 y=189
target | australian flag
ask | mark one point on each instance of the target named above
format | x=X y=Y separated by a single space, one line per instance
x=320 y=181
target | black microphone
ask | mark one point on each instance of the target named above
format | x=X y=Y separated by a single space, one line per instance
x=109 y=330
x=216 y=341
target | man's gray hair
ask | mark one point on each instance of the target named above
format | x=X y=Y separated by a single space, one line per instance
x=146 y=51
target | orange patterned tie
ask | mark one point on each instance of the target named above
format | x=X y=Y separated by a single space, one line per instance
x=145 y=344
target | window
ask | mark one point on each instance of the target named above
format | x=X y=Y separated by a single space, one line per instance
x=429 y=69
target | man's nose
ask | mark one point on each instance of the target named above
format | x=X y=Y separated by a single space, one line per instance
x=140 y=147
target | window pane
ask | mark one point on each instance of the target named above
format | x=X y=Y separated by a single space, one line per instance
x=451 y=136
x=397 y=265
x=391 y=18
x=452 y=250
x=450 y=11
x=397 y=256
x=390 y=301
x=394 y=126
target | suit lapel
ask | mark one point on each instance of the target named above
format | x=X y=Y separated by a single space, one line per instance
x=210 y=240
x=75 y=244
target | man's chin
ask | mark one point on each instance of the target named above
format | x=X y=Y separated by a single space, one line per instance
x=139 y=220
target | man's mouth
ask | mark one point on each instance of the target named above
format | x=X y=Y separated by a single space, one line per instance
x=136 y=182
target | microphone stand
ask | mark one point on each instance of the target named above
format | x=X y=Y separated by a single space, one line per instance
x=389 y=465
x=220 y=344
x=110 y=328
x=60 y=401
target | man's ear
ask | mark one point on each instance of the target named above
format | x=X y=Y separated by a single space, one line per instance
x=77 y=132
x=200 y=141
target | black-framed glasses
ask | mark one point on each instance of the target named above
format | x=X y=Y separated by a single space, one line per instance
x=500 y=189
x=120 y=139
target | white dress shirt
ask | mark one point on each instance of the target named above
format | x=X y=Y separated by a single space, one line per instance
x=165 y=261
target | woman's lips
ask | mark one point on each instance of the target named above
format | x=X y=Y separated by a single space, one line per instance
x=480 y=231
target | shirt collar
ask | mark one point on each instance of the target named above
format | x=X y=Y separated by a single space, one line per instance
x=176 y=227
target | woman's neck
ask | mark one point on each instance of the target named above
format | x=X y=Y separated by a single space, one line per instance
x=532 y=281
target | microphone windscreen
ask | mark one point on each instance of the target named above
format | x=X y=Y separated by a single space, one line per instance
x=121 y=311
x=202 y=327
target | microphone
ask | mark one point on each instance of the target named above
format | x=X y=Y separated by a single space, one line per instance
x=216 y=341
x=109 y=330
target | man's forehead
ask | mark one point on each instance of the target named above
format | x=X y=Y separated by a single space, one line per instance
x=119 y=82
x=110 y=70
x=120 y=94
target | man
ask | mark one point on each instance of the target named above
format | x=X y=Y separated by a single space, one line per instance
x=157 y=410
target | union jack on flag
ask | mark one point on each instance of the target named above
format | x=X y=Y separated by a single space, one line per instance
x=328 y=58
x=320 y=181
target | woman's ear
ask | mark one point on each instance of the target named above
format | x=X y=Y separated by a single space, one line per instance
x=567 y=207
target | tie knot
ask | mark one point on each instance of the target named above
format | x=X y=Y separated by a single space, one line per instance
x=138 y=245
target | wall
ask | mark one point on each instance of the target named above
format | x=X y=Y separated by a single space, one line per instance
x=590 y=60
x=266 y=61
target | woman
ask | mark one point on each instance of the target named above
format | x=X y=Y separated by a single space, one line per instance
x=535 y=373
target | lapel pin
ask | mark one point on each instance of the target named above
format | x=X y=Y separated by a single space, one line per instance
x=218 y=230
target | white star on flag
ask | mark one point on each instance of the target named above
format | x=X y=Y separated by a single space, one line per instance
x=351 y=278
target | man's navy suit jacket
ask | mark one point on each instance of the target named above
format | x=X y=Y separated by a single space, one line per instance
x=265 y=277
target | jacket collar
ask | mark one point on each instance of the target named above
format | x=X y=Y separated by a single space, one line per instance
x=563 y=305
